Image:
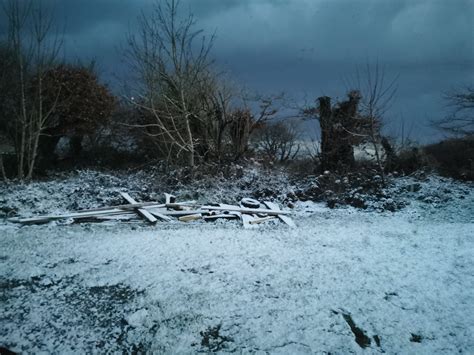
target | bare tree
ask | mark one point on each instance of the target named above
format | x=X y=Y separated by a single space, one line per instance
x=377 y=94
x=354 y=121
x=35 y=49
x=265 y=107
x=172 y=62
x=461 y=119
x=278 y=141
x=240 y=129
x=257 y=112
x=219 y=107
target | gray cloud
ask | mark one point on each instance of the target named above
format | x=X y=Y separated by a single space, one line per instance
x=306 y=46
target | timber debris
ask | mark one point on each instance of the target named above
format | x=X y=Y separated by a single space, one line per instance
x=250 y=212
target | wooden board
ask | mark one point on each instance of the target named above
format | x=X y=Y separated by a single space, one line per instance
x=262 y=220
x=246 y=210
x=182 y=205
x=141 y=211
x=285 y=219
x=130 y=206
x=224 y=205
x=174 y=213
x=191 y=217
x=159 y=215
x=117 y=218
x=231 y=215
x=75 y=215
x=83 y=214
x=246 y=221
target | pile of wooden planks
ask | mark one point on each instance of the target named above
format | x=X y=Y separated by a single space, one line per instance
x=171 y=210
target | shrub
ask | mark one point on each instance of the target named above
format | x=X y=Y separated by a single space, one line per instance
x=454 y=157
x=304 y=167
x=410 y=160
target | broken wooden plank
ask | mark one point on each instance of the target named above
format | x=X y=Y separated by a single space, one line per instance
x=182 y=213
x=285 y=219
x=130 y=206
x=246 y=210
x=75 y=215
x=246 y=219
x=227 y=207
x=262 y=220
x=230 y=215
x=144 y=213
x=191 y=217
x=159 y=215
x=182 y=205
x=226 y=212
x=118 y=217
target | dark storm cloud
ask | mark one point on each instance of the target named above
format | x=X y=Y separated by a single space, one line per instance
x=305 y=46
x=313 y=46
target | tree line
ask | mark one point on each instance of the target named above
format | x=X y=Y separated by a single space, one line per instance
x=179 y=109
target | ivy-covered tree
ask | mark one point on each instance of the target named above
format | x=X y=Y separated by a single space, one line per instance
x=342 y=127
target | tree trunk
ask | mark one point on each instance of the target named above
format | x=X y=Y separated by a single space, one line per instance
x=390 y=156
x=220 y=134
x=2 y=168
x=190 y=143
x=21 y=154
x=34 y=153
x=325 y=122
x=337 y=151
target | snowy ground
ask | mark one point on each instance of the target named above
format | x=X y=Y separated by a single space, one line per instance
x=345 y=281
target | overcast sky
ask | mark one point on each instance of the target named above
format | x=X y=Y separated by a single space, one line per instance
x=308 y=47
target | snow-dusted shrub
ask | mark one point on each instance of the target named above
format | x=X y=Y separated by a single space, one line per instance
x=454 y=157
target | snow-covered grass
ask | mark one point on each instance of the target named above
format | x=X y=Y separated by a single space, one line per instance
x=89 y=189
x=406 y=280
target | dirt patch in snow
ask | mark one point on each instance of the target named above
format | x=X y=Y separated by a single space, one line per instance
x=73 y=310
